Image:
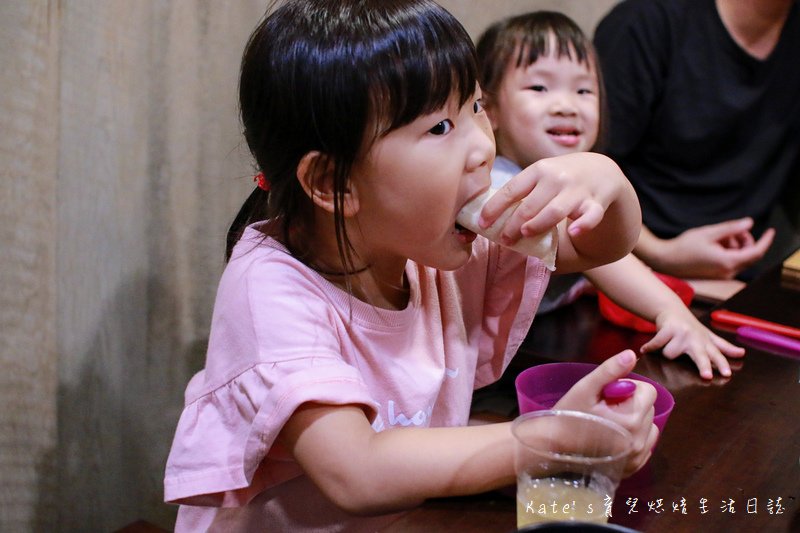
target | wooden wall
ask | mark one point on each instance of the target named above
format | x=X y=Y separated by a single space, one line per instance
x=122 y=165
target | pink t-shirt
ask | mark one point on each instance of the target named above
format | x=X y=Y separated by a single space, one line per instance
x=282 y=335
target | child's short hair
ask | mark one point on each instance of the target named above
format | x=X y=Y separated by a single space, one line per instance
x=333 y=76
x=523 y=38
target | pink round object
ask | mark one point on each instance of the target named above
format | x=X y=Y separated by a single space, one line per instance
x=618 y=391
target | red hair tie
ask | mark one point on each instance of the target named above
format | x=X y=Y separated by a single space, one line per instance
x=261 y=181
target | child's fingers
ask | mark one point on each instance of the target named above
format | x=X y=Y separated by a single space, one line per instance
x=719 y=361
x=708 y=351
x=539 y=212
x=677 y=347
x=535 y=214
x=644 y=451
x=730 y=350
x=697 y=352
x=660 y=339
x=703 y=363
x=587 y=217
x=638 y=420
x=613 y=368
x=510 y=193
x=587 y=393
x=547 y=204
x=634 y=414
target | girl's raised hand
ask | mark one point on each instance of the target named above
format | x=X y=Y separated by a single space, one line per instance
x=577 y=186
x=634 y=414
x=587 y=189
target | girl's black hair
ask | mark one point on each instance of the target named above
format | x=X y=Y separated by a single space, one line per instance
x=332 y=76
x=521 y=39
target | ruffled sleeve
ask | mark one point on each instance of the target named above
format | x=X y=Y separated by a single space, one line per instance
x=224 y=435
x=273 y=346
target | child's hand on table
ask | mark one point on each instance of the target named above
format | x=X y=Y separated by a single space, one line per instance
x=679 y=332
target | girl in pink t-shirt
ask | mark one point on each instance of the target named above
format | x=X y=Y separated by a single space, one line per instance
x=355 y=316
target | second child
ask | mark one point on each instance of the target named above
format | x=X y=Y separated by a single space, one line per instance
x=543 y=93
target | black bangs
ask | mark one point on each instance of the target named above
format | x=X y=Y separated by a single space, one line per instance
x=330 y=76
x=406 y=83
x=359 y=74
x=550 y=29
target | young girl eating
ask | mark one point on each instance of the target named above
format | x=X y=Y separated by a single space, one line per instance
x=543 y=93
x=354 y=317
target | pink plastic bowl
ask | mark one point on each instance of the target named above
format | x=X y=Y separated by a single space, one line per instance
x=540 y=387
x=619 y=316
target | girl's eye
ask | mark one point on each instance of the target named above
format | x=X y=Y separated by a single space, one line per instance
x=538 y=88
x=442 y=128
x=477 y=107
x=585 y=91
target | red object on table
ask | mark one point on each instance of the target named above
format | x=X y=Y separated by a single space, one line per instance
x=724 y=316
x=621 y=317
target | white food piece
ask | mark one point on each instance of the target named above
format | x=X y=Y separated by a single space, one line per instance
x=543 y=246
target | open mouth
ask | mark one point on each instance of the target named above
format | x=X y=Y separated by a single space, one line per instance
x=563 y=132
x=470 y=215
x=567 y=137
x=464 y=234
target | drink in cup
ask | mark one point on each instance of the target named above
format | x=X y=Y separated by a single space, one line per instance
x=568 y=466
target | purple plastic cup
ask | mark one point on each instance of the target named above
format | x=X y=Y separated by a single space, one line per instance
x=540 y=387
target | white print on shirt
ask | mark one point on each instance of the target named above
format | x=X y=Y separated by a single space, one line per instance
x=378 y=424
x=420 y=417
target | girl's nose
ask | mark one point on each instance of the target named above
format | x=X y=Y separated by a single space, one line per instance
x=562 y=104
x=481 y=143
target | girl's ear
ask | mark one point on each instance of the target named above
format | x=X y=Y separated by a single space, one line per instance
x=315 y=172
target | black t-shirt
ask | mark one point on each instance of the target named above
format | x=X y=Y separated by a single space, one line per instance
x=704 y=131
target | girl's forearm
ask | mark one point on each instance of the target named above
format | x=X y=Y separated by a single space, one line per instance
x=364 y=472
x=441 y=462
x=632 y=285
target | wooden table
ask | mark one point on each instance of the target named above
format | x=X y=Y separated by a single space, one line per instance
x=729 y=455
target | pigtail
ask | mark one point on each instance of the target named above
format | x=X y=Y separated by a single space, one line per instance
x=253 y=210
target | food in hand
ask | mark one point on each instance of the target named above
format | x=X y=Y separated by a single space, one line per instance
x=544 y=246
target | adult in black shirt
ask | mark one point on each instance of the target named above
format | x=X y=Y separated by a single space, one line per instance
x=704 y=100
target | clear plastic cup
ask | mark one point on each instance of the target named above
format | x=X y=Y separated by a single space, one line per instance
x=568 y=466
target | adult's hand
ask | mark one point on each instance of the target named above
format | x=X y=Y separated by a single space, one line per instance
x=717 y=251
